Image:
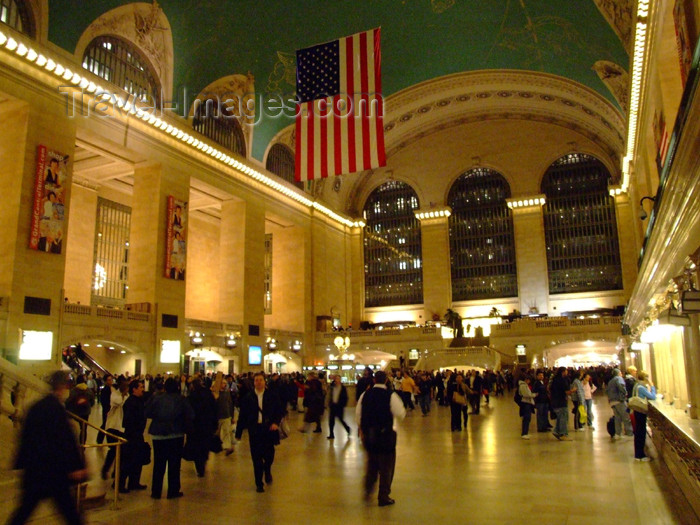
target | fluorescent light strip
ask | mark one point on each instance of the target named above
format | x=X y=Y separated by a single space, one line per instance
x=29 y=54
x=640 y=38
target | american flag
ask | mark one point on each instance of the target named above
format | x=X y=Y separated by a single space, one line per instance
x=340 y=114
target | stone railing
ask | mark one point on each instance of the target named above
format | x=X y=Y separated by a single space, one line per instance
x=528 y=325
x=109 y=313
x=200 y=325
x=679 y=447
x=410 y=331
x=18 y=390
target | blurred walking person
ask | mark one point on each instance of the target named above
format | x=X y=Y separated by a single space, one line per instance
x=49 y=455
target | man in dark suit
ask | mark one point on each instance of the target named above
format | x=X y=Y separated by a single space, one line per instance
x=261 y=413
x=375 y=413
x=337 y=401
x=105 y=402
x=49 y=455
x=476 y=385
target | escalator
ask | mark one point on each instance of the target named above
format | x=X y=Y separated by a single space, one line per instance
x=79 y=360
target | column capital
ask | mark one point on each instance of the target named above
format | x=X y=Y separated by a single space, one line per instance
x=431 y=214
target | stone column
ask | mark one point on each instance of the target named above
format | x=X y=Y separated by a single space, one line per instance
x=242 y=264
x=437 y=277
x=531 y=257
x=27 y=276
x=80 y=248
x=153 y=184
x=357 y=278
x=691 y=350
x=625 y=216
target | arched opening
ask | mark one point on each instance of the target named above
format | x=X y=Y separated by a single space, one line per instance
x=392 y=247
x=280 y=161
x=18 y=15
x=583 y=253
x=121 y=63
x=482 y=244
x=220 y=124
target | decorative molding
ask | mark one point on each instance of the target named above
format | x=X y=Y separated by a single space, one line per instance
x=619 y=14
x=468 y=97
x=616 y=79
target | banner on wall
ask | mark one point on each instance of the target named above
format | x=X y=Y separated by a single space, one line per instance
x=49 y=213
x=176 y=241
x=686 y=31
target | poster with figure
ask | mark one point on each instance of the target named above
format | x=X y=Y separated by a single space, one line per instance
x=176 y=240
x=49 y=210
x=686 y=35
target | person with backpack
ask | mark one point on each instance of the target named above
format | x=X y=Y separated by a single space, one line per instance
x=80 y=402
x=377 y=410
x=617 y=397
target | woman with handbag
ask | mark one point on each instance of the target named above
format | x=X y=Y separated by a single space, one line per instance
x=578 y=397
x=458 y=393
x=642 y=392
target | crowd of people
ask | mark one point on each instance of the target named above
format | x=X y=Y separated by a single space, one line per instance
x=192 y=416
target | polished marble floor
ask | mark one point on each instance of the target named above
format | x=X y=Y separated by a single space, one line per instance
x=486 y=475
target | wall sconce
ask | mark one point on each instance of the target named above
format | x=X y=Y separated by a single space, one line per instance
x=642 y=212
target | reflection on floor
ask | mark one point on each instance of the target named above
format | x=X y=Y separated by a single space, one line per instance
x=487 y=475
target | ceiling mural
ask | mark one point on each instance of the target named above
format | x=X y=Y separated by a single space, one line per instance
x=421 y=39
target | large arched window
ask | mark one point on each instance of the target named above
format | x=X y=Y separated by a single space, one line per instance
x=218 y=123
x=482 y=246
x=17 y=15
x=393 y=262
x=280 y=161
x=120 y=63
x=580 y=228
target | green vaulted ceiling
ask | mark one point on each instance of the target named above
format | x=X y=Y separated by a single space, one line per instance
x=421 y=39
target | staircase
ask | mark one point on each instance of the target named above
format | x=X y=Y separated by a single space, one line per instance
x=18 y=391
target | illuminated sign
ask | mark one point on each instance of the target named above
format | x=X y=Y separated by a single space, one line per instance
x=36 y=346
x=254 y=355
x=169 y=351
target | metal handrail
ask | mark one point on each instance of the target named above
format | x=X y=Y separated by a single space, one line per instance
x=119 y=441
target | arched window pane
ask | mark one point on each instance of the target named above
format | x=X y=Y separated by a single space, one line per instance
x=16 y=14
x=482 y=246
x=393 y=261
x=580 y=227
x=215 y=122
x=280 y=161
x=120 y=63
x=110 y=280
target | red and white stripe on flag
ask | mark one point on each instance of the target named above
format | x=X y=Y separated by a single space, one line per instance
x=344 y=133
